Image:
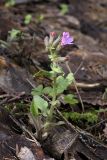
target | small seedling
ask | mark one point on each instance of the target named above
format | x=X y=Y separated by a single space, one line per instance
x=40 y=18
x=9 y=3
x=64 y=9
x=27 y=19
x=14 y=34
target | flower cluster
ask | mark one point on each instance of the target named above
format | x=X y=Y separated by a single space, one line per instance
x=57 y=42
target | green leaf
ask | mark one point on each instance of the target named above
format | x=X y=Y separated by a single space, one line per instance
x=10 y=3
x=56 y=68
x=52 y=74
x=33 y=109
x=70 y=99
x=53 y=57
x=48 y=90
x=55 y=102
x=64 y=8
x=14 y=33
x=61 y=84
x=40 y=18
x=70 y=78
x=37 y=91
x=27 y=19
x=43 y=73
x=39 y=105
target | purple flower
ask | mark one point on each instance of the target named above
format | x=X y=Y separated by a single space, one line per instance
x=66 y=39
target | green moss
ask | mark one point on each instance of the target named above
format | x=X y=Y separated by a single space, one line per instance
x=90 y=117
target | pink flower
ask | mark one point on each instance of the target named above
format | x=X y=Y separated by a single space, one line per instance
x=66 y=39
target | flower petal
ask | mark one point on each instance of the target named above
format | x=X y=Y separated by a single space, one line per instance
x=66 y=39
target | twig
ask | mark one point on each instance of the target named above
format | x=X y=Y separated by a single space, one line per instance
x=78 y=68
x=66 y=121
x=70 y=145
x=4 y=43
x=4 y=101
x=4 y=96
x=96 y=125
x=25 y=130
x=30 y=83
x=87 y=85
x=69 y=69
x=17 y=97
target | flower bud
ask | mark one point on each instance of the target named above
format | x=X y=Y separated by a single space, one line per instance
x=53 y=34
x=58 y=48
x=46 y=41
x=56 y=42
x=52 y=37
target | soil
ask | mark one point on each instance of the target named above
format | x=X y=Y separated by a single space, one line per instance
x=86 y=21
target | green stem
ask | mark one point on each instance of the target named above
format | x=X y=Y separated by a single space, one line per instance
x=53 y=101
x=50 y=116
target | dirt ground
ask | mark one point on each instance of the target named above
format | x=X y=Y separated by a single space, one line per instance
x=86 y=21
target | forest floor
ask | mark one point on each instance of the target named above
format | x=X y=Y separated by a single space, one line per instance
x=84 y=135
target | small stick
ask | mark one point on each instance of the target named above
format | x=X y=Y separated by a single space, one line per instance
x=66 y=121
x=25 y=130
x=78 y=67
x=17 y=97
x=87 y=85
x=67 y=65
x=96 y=124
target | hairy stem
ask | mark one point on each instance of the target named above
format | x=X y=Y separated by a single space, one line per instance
x=53 y=105
x=53 y=101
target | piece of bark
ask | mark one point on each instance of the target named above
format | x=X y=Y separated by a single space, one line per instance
x=14 y=79
x=25 y=154
x=62 y=142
